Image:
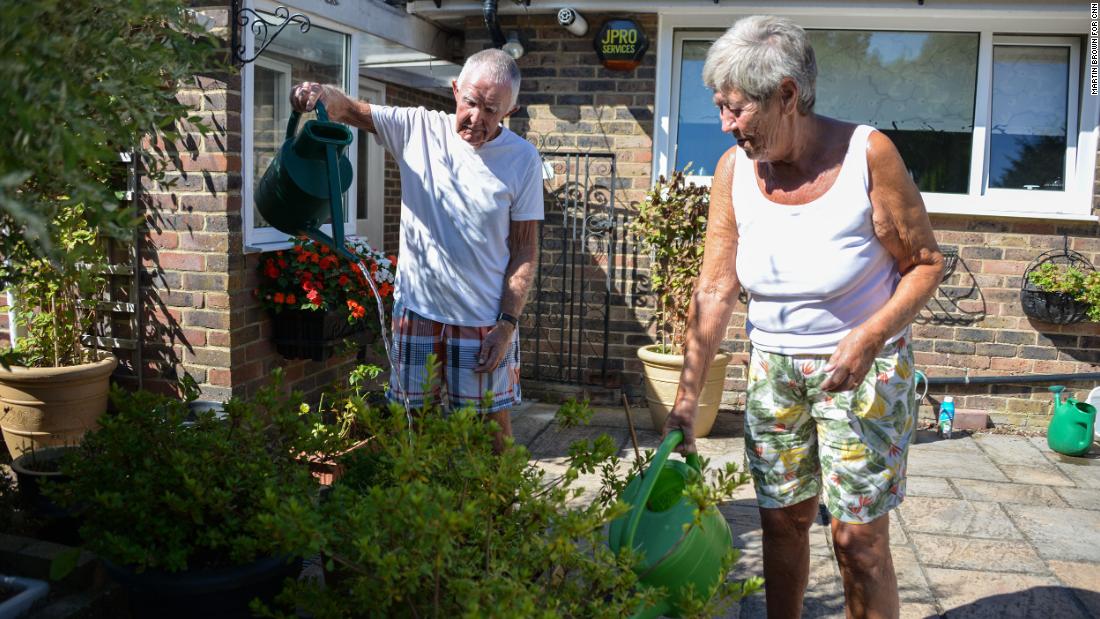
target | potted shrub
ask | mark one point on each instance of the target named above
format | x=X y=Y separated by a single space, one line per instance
x=433 y=523
x=1061 y=293
x=318 y=300
x=52 y=388
x=671 y=225
x=57 y=189
x=178 y=512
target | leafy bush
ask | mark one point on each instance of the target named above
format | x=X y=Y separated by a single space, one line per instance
x=158 y=493
x=80 y=81
x=671 y=224
x=1083 y=286
x=429 y=522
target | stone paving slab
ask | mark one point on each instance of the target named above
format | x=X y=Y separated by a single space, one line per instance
x=1008 y=493
x=1005 y=449
x=965 y=594
x=1081 y=498
x=973 y=554
x=1044 y=475
x=1059 y=533
x=1084 y=578
x=954 y=465
x=929 y=487
x=957 y=517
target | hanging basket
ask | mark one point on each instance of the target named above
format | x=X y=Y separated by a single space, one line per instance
x=1054 y=307
x=301 y=334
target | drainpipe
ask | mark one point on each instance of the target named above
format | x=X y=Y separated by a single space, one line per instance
x=489 y=12
x=1012 y=380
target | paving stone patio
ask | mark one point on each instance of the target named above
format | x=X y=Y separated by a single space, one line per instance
x=993 y=526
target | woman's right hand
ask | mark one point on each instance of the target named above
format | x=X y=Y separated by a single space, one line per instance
x=682 y=418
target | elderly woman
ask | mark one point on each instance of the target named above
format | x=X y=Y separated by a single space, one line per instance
x=821 y=224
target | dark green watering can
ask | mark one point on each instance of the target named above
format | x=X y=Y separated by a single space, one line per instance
x=303 y=187
x=1071 y=425
x=676 y=557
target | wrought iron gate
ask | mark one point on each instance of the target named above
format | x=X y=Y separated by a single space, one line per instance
x=568 y=340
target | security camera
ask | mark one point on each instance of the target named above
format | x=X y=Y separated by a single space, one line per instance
x=572 y=21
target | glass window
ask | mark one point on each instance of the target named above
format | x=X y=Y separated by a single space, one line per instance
x=320 y=55
x=699 y=140
x=1027 y=139
x=896 y=82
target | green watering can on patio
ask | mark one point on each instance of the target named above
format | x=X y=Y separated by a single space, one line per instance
x=1071 y=425
x=676 y=557
x=303 y=187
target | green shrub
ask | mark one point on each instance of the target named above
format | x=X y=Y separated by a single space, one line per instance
x=671 y=224
x=156 y=492
x=429 y=522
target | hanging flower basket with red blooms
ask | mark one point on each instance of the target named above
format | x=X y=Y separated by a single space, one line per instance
x=320 y=300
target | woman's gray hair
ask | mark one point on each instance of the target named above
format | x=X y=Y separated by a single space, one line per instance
x=496 y=65
x=756 y=54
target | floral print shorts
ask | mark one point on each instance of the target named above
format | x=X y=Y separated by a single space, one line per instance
x=797 y=435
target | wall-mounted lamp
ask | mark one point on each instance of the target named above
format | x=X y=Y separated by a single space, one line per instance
x=572 y=21
x=513 y=47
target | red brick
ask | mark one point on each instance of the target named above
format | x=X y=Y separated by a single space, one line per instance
x=176 y=261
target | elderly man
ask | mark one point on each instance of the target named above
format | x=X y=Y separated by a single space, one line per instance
x=471 y=200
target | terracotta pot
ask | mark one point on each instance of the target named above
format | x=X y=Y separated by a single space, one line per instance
x=662 y=378
x=47 y=407
x=329 y=469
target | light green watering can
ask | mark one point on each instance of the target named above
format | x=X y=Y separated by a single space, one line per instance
x=303 y=187
x=676 y=559
x=1071 y=425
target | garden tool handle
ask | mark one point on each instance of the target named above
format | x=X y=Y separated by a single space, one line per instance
x=336 y=242
x=673 y=439
x=296 y=117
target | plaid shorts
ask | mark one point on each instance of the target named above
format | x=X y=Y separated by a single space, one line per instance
x=456 y=349
x=796 y=435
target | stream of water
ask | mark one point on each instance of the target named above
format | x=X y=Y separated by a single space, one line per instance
x=396 y=384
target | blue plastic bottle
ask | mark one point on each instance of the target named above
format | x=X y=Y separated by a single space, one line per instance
x=947 y=416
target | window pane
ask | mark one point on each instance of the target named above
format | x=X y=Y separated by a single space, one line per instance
x=1027 y=140
x=898 y=82
x=699 y=137
x=319 y=55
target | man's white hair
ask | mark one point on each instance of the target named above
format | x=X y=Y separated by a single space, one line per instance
x=496 y=65
x=756 y=54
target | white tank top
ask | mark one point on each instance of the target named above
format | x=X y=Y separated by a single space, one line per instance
x=813 y=271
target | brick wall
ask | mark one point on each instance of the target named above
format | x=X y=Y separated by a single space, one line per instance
x=570 y=100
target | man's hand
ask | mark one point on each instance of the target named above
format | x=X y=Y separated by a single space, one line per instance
x=682 y=418
x=494 y=347
x=304 y=97
x=851 y=360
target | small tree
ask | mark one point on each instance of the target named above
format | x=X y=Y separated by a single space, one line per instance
x=671 y=225
x=80 y=82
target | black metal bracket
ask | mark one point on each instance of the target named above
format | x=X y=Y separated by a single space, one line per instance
x=247 y=18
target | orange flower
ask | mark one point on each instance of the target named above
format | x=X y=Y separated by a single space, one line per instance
x=343 y=280
x=314 y=297
x=278 y=297
x=314 y=258
x=303 y=257
x=291 y=299
x=385 y=289
x=393 y=259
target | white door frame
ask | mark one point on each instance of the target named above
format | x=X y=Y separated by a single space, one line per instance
x=372 y=171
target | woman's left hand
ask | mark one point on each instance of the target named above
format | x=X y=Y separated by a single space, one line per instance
x=851 y=360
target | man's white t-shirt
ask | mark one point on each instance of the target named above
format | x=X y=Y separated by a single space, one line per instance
x=457 y=203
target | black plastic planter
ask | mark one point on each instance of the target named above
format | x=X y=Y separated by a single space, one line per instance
x=32 y=471
x=300 y=334
x=1053 y=307
x=220 y=593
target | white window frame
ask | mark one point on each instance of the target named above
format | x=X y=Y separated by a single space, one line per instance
x=373 y=227
x=1032 y=26
x=268 y=239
